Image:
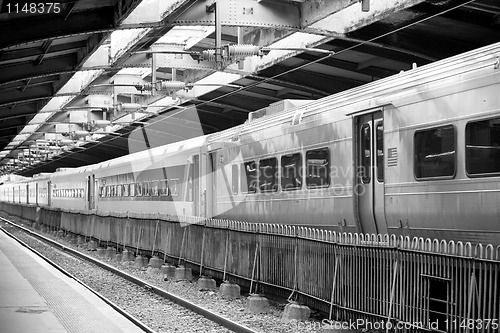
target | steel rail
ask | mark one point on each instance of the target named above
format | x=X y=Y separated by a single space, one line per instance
x=124 y=313
x=223 y=321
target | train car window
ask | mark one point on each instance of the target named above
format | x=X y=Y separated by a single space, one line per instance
x=249 y=182
x=132 y=189
x=154 y=188
x=125 y=190
x=138 y=189
x=434 y=151
x=291 y=172
x=164 y=187
x=380 y=151
x=366 y=156
x=146 y=191
x=267 y=175
x=235 y=178
x=174 y=187
x=119 y=190
x=482 y=147
x=318 y=168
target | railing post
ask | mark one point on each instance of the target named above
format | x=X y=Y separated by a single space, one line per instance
x=225 y=257
x=393 y=290
x=334 y=283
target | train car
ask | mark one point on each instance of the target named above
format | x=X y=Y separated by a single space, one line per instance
x=68 y=189
x=415 y=154
x=160 y=180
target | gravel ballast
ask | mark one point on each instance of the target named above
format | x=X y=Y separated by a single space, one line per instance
x=156 y=312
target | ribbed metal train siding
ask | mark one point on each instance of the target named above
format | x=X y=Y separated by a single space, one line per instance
x=411 y=281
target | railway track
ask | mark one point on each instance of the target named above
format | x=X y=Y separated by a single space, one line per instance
x=164 y=304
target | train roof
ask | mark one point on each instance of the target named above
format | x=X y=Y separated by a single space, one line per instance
x=372 y=95
x=148 y=157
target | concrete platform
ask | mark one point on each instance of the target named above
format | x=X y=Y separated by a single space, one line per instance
x=35 y=297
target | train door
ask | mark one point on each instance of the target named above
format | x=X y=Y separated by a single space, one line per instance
x=196 y=184
x=212 y=179
x=49 y=193
x=205 y=185
x=370 y=172
x=91 y=191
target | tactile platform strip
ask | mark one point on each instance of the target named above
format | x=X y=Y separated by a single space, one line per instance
x=74 y=312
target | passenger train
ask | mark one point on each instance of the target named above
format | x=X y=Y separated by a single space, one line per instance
x=415 y=154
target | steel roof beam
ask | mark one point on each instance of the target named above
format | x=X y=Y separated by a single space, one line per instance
x=19 y=95
x=242 y=13
x=44 y=49
x=221 y=105
x=26 y=110
x=313 y=11
x=315 y=93
x=33 y=82
x=350 y=66
x=55 y=65
x=349 y=15
x=316 y=80
x=8 y=55
x=8 y=133
x=19 y=31
x=14 y=123
x=379 y=49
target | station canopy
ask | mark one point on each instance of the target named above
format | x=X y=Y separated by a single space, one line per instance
x=82 y=81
